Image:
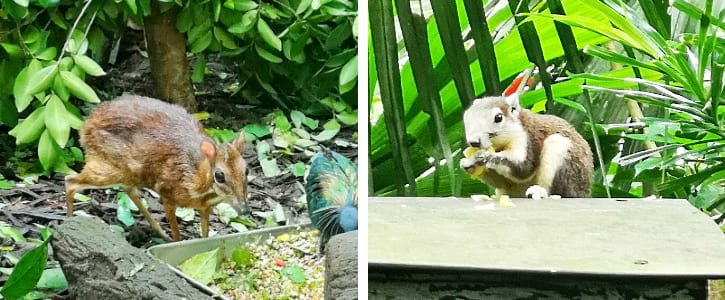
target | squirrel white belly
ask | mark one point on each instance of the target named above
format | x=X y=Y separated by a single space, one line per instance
x=533 y=154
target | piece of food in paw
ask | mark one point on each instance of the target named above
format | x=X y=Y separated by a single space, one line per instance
x=476 y=171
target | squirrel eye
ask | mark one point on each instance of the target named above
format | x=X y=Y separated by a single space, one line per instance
x=498 y=118
x=219 y=176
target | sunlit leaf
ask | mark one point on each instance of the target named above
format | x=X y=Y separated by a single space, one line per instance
x=202 y=266
x=268 y=35
x=79 y=88
x=27 y=272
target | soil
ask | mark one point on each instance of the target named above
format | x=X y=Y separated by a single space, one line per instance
x=44 y=203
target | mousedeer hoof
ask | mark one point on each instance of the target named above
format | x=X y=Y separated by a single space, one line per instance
x=537 y=192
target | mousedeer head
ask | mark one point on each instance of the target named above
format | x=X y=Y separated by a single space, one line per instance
x=228 y=172
x=490 y=117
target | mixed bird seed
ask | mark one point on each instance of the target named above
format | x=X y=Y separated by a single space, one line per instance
x=283 y=267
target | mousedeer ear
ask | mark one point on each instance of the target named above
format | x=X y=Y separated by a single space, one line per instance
x=208 y=149
x=238 y=143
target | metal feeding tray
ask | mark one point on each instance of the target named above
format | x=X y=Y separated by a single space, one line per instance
x=564 y=247
x=175 y=253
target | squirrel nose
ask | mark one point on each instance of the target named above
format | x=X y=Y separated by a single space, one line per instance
x=475 y=144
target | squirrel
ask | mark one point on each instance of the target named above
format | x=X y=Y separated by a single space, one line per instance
x=525 y=154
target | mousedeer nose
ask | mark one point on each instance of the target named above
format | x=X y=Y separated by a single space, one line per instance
x=242 y=208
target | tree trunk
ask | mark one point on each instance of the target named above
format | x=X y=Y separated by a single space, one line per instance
x=167 y=56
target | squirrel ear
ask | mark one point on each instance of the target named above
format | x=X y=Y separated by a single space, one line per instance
x=208 y=149
x=238 y=143
x=513 y=101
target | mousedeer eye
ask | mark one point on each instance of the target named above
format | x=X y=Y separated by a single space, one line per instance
x=498 y=118
x=219 y=176
x=246 y=171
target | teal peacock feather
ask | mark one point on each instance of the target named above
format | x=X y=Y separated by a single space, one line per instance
x=331 y=189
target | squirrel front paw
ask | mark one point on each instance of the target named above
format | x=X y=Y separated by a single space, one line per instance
x=467 y=163
x=537 y=192
x=486 y=159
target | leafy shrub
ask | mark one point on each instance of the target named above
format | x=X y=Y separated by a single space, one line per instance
x=297 y=53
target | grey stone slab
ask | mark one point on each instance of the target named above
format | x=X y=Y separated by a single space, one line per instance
x=570 y=236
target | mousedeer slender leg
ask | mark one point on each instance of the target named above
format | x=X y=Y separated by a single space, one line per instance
x=170 y=210
x=94 y=175
x=133 y=194
x=204 y=213
x=70 y=190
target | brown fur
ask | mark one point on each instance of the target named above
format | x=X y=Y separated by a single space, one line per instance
x=140 y=142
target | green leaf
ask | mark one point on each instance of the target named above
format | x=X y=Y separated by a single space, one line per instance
x=27 y=272
x=49 y=3
x=53 y=279
x=185 y=19
x=281 y=122
x=88 y=65
x=297 y=118
x=348 y=118
x=224 y=38
x=294 y=273
x=132 y=5
x=7 y=232
x=331 y=128
x=571 y=104
x=123 y=212
x=6 y=184
x=269 y=167
x=41 y=80
x=197 y=73
x=267 y=55
x=48 y=151
x=239 y=227
x=278 y=212
x=225 y=212
x=81 y=197
x=338 y=35
x=348 y=75
x=30 y=129
x=242 y=257
x=60 y=89
x=18 y=12
x=222 y=136
x=297 y=169
x=268 y=35
x=302 y=7
x=185 y=213
x=22 y=82
x=46 y=232
x=14 y=51
x=311 y=123
x=56 y=120
x=247 y=22
x=240 y=5
x=201 y=43
x=258 y=130
x=202 y=266
x=79 y=88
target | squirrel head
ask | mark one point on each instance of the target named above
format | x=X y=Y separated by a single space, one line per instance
x=489 y=120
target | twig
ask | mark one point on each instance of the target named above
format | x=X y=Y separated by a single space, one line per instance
x=38 y=215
